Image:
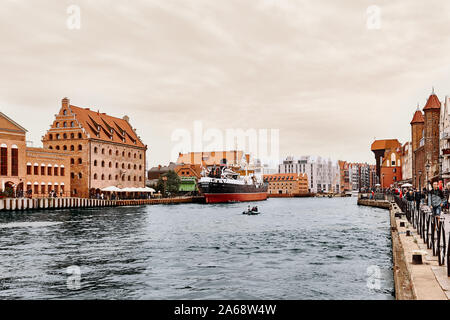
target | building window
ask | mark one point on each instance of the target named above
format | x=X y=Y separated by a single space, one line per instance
x=36 y=170
x=117 y=177
x=95 y=163
x=72 y=161
x=110 y=152
x=72 y=175
x=56 y=171
x=80 y=161
x=95 y=176
x=72 y=136
x=65 y=112
x=72 y=148
x=51 y=148
x=129 y=154
x=79 y=136
x=65 y=135
x=80 y=175
x=117 y=152
x=4 y=161
x=110 y=164
x=65 y=148
x=103 y=177
x=57 y=124
x=95 y=150
x=14 y=162
x=42 y=170
x=117 y=165
x=28 y=169
x=72 y=124
x=103 y=150
x=80 y=147
x=50 y=136
x=43 y=189
x=49 y=171
x=109 y=177
x=103 y=164
x=62 y=171
x=36 y=189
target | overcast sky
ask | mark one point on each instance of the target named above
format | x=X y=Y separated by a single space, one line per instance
x=312 y=69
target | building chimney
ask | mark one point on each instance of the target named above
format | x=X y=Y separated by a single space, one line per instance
x=126 y=118
x=65 y=102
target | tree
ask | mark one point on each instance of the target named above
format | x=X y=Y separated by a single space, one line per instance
x=168 y=183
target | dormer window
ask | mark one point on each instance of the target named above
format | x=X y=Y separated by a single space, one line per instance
x=65 y=112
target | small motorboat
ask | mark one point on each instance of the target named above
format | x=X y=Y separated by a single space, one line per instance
x=252 y=212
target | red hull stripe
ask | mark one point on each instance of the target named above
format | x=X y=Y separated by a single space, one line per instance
x=234 y=197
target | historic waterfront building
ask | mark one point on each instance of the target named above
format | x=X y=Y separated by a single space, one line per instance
x=27 y=171
x=406 y=157
x=445 y=141
x=104 y=150
x=426 y=142
x=287 y=183
x=388 y=161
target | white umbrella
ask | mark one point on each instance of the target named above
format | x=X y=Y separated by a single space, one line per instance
x=378 y=185
x=406 y=185
x=111 y=189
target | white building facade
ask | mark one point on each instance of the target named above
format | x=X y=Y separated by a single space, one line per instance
x=323 y=174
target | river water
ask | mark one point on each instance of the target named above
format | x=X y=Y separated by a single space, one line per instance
x=300 y=248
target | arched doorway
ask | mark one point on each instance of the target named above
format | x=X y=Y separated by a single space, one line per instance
x=9 y=189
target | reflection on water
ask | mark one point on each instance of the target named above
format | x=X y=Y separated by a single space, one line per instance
x=296 y=249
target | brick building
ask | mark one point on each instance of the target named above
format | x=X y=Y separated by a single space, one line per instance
x=104 y=150
x=425 y=142
x=287 y=183
x=388 y=153
x=30 y=171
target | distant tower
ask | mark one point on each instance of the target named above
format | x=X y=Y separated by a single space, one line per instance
x=432 y=112
x=417 y=128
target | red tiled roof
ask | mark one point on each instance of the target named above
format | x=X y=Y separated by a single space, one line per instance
x=385 y=144
x=432 y=103
x=418 y=117
x=104 y=127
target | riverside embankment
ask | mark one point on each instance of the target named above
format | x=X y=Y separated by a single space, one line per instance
x=420 y=251
x=13 y=204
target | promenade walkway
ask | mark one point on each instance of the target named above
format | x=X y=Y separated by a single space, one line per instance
x=426 y=281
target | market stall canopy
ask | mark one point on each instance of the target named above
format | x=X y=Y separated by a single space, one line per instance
x=406 y=185
x=111 y=189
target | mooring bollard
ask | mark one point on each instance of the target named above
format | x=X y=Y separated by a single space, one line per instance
x=417 y=256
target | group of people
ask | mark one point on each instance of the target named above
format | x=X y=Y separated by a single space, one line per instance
x=437 y=198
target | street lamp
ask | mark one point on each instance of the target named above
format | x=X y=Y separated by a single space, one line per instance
x=427 y=167
x=382 y=181
x=420 y=178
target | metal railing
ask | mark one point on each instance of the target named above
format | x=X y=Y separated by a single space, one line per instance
x=430 y=228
